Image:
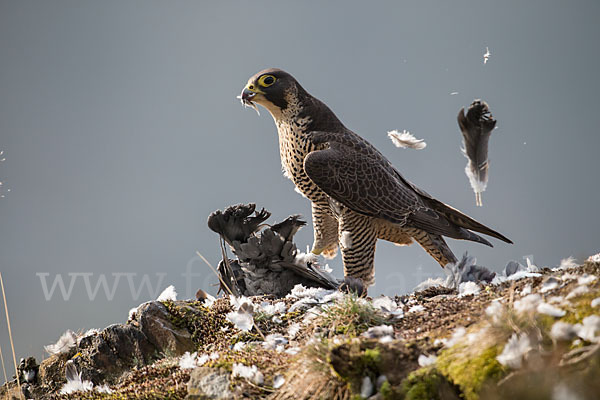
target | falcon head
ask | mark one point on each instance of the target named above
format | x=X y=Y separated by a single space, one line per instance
x=270 y=88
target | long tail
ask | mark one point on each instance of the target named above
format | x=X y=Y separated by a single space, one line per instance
x=464 y=221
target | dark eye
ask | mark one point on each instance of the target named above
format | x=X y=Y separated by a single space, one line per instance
x=266 y=80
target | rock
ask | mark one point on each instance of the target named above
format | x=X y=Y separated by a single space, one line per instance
x=208 y=383
x=155 y=323
x=116 y=349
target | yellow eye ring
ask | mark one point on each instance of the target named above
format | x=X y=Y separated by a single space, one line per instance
x=266 y=80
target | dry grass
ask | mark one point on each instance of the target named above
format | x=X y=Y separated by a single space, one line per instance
x=12 y=346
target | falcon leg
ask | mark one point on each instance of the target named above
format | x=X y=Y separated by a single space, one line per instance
x=436 y=246
x=358 y=236
x=326 y=230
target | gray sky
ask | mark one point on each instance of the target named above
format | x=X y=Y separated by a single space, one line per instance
x=121 y=134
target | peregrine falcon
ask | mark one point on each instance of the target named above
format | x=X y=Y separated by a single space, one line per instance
x=356 y=194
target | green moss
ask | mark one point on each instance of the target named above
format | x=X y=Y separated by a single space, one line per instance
x=352 y=361
x=203 y=323
x=470 y=372
x=582 y=307
x=388 y=392
x=424 y=384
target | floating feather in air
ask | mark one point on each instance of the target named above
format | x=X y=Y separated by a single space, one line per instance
x=486 y=55
x=405 y=140
x=476 y=127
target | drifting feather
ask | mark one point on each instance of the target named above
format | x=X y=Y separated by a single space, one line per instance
x=476 y=127
x=66 y=342
x=486 y=55
x=406 y=140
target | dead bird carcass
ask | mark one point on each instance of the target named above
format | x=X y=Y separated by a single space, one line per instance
x=268 y=262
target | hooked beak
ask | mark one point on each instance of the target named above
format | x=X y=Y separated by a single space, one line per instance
x=246 y=98
x=247 y=94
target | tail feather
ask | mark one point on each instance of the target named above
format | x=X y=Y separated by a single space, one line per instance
x=466 y=222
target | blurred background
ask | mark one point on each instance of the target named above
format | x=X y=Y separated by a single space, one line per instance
x=121 y=133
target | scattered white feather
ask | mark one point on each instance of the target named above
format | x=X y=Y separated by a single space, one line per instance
x=526 y=290
x=514 y=351
x=303 y=259
x=188 y=361
x=203 y=359
x=578 y=291
x=425 y=361
x=406 y=140
x=103 y=389
x=76 y=386
x=595 y=258
x=453 y=93
x=430 y=282
x=272 y=309
x=586 y=279
x=550 y=284
x=523 y=274
x=74 y=382
x=251 y=373
x=589 y=329
x=292 y=351
x=567 y=263
x=88 y=333
x=563 y=331
x=274 y=341
x=548 y=309
x=237 y=302
x=527 y=304
x=386 y=339
x=531 y=267
x=346 y=240
x=316 y=294
x=495 y=311
x=366 y=388
x=456 y=337
x=468 y=289
x=376 y=332
x=66 y=342
x=243 y=318
x=239 y=346
x=388 y=306
x=293 y=330
x=168 y=294
x=278 y=381
x=596 y=302
x=416 y=308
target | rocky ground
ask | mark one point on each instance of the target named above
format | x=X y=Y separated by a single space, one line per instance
x=535 y=335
